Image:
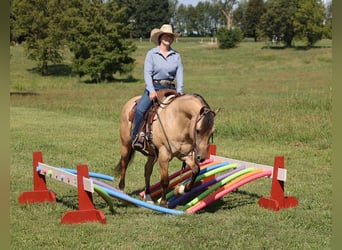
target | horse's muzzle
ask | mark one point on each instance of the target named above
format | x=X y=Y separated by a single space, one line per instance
x=200 y=159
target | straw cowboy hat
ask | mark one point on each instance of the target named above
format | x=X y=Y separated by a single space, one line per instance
x=164 y=29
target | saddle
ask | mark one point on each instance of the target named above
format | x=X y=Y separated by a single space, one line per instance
x=164 y=98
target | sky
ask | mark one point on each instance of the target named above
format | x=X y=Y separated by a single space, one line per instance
x=188 y=2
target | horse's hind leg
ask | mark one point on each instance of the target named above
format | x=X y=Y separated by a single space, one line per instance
x=120 y=170
x=148 y=172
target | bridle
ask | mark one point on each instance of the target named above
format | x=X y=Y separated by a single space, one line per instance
x=205 y=110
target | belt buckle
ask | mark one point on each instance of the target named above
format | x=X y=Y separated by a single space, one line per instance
x=166 y=82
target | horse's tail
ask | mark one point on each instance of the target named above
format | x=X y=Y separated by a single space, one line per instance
x=117 y=170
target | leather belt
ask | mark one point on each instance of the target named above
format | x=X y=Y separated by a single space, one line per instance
x=164 y=82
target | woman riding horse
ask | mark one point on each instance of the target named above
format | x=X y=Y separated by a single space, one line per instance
x=162 y=67
x=180 y=129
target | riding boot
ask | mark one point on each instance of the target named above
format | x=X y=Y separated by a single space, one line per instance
x=138 y=138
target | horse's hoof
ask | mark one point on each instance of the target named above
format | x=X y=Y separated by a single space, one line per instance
x=179 y=190
x=148 y=199
x=163 y=204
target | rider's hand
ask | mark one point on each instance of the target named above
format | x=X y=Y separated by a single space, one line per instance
x=153 y=95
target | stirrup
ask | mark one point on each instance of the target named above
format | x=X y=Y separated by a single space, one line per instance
x=138 y=142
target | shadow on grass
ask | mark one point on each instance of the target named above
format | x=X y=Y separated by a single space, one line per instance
x=128 y=79
x=296 y=47
x=59 y=70
x=55 y=70
x=23 y=93
x=232 y=200
x=69 y=201
x=136 y=192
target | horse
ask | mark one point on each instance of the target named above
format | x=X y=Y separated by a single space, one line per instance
x=181 y=128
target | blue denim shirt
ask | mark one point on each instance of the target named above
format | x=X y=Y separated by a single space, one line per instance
x=156 y=67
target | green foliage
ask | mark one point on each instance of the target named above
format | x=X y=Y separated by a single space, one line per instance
x=277 y=21
x=286 y=20
x=40 y=22
x=327 y=32
x=308 y=21
x=144 y=15
x=229 y=38
x=99 y=43
x=255 y=9
x=94 y=30
x=240 y=16
x=150 y=14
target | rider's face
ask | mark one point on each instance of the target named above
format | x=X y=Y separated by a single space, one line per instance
x=167 y=38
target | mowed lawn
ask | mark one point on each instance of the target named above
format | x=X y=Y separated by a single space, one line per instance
x=273 y=101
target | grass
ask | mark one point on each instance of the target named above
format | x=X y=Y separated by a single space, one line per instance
x=273 y=102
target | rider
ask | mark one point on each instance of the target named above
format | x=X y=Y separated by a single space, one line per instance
x=162 y=69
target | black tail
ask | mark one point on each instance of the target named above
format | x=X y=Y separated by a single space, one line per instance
x=117 y=169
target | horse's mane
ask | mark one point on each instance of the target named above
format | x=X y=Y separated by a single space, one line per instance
x=202 y=99
x=208 y=114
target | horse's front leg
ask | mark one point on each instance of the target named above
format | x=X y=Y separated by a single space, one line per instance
x=195 y=170
x=163 y=161
x=148 y=171
x=181 y=189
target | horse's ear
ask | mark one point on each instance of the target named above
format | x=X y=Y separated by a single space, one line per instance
x=216 y=111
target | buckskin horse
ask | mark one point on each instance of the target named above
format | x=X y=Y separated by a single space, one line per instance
x=180 y=127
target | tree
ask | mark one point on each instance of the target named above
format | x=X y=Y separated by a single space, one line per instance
x=239 y=16
x=328 y=21
x=130 y=17
x=255 y=9
x=201 y=20
x=40 y=22
x=277 y=22
x=228 y=38
x=308 y=21
x=151 y=14
x=191 y=22
x=99 y=43
x=226 y=7
x=180 y=19
x=285 y=20
x=173 y=9
x=206 y=19
x=215 y=17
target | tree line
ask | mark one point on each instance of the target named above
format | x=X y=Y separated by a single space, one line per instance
x=100 y=33
x=284 y=20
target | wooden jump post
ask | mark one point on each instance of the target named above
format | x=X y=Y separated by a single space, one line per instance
x=86 y=211
x=277 y=199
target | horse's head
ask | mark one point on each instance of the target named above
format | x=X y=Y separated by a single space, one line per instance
x=203 y=131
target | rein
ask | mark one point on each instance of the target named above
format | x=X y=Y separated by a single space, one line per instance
x=155 y=106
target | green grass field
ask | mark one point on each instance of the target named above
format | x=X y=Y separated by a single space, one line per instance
x=273 y=102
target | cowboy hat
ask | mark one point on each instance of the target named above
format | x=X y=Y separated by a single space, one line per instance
x=164 y=29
